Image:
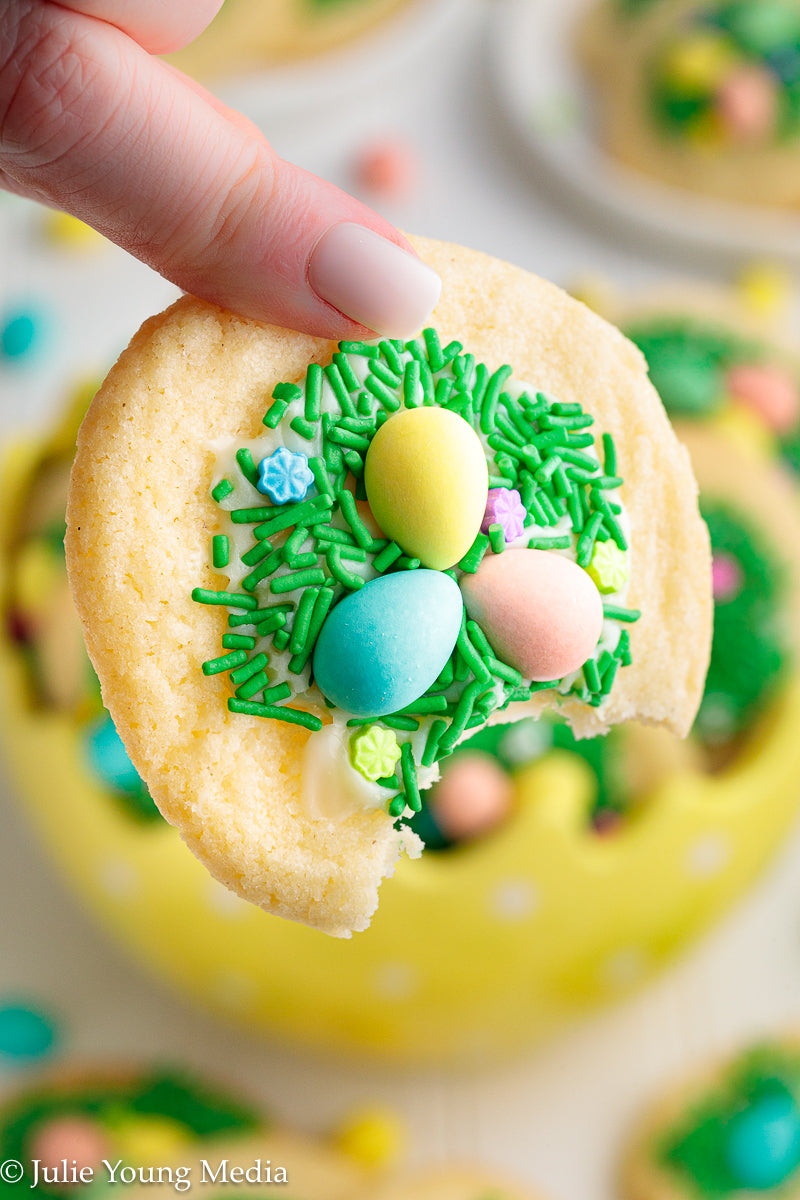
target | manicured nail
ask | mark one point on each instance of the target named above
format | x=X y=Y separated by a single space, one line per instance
x=372 y=281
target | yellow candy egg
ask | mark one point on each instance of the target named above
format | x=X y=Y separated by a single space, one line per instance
x=427 y=480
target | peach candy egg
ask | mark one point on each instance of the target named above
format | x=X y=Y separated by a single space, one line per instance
x=747 y=104
x=74 y=1138
x=473 y=797
x=769 y=390
x=541 y=612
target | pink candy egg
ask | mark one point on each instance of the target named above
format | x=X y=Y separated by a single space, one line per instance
x=747 y=104
x=473 y=797
x=74 y=1138
x=768 y=390
x=541 y=612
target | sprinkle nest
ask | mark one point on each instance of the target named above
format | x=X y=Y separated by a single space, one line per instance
x=721 y=41
x=304 y=556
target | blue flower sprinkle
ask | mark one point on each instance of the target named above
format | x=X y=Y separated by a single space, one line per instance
x=285 y=476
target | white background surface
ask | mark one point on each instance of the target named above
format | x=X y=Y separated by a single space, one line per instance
x=556 y=1118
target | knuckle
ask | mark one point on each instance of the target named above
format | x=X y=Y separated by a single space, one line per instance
x=42 y=73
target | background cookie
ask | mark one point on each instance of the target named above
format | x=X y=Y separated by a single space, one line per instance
x=701 y=93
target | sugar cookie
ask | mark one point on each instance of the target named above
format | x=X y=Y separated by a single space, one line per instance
x=179 y=559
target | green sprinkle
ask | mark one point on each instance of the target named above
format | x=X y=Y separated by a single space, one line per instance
x=446 y=675
x=407 y=564
x=430 y=753
x=345 y=437
x=349 y=378
x=442 y=391
x=408 y=724
x=350 y=513
x=222 y=489
x=360 y=348
x=287 y=391
x=409 y=772
x=382 y=393
x=271 y=563
x=392 y=358
x=230 y=599
x=248 y=516
x=220 y=550
x=608 y=482
x=313 y=394
x=573 y=421
x=609 y=675
x=615 y=613
x=238 y=641
x=246 y=465
x=479 y=639
x=462 y=714
x=304 y=428
x=306 y=513
x=423 y=706
x=469 y=654
x=609 y=455
x=302 y=620
x=396 y=807
x=472 y=559
x=380 y=370
x=275 y=413
x=387 y=556
x=225 y=662
x=327 y=533
x=550 y=543
x=253 y=685
x=292 y=716
x=297 y=579
x=587 y=540
x=503 y=671
x=433 y=349
x=256 y=553
x=245 y=672
x=281 y=639
x=337 y=384
x=492 y=396
x=624 y=648
x=497 y=538
x=412 y=387
x=267 y=620
x=591 y=675
x=295 y=542
x=279 y=691
x=339 y=571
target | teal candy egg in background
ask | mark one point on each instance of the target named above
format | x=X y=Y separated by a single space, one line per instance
x=763 y=1146
x=383 y=646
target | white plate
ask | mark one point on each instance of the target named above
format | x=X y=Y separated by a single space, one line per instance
x=540 y=84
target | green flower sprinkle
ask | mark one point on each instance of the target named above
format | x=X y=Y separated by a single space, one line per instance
x=374 y=752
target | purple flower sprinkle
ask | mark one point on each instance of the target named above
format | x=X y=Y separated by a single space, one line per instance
x=504 y=507
x=284 y=476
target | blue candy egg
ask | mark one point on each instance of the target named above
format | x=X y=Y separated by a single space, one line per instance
x=383 y=646
x=763 y=1143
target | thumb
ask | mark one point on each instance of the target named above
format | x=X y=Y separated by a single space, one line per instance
x=93 y=124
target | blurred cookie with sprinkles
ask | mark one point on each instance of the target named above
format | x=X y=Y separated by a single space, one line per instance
x=307 y=571
x=701 y=94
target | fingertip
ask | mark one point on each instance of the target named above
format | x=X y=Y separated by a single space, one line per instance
x=159 y=27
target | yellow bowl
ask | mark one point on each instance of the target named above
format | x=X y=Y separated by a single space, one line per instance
x=473 y=952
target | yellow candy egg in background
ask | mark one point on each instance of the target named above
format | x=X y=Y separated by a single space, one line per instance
x=558 y=918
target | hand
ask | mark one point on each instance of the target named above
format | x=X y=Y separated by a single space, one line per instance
x=91 y=122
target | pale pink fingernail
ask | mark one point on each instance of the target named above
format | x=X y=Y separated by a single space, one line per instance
x=373 y=281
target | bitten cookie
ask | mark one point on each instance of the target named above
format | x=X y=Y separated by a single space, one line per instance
x=285 y=670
